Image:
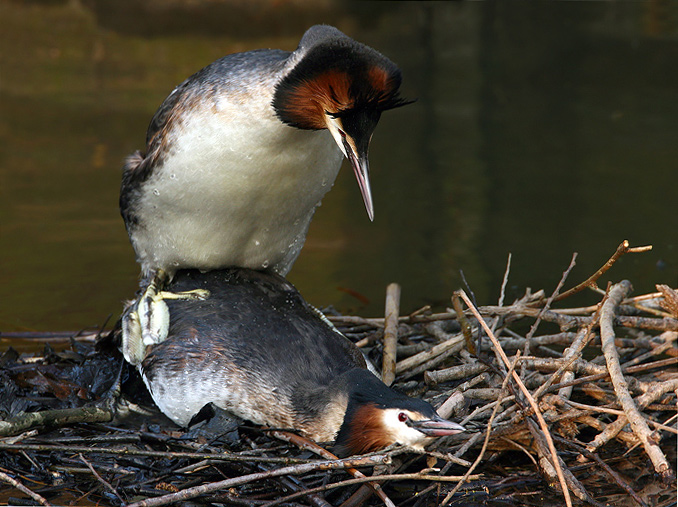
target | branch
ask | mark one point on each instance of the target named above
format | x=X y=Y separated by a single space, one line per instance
x=638 y=424
x=58 y=417
x=390 y=333
x=9 y=480
x=195 y=491
x=591 y=280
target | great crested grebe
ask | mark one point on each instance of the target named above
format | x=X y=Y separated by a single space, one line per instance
x=239 y=156
x=256 y=349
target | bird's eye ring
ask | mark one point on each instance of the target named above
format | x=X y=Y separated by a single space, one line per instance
x=402 y=417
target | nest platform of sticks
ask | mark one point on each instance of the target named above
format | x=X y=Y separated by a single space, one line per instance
x=582 y=414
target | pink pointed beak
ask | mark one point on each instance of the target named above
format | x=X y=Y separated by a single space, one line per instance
x=438 y=427
x=361 y=169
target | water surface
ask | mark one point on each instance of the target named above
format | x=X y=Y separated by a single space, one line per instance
x=539 y=129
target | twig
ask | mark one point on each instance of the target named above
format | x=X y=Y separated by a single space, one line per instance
x=605 y=410
x=358 y=498
x=16 y=484
x=654 y=393
x=58 y=417
x=52 y=337
x=664 y=324
x=385 y=477
x=617 y=478
x=566 y=321
x=530 y=399
x=378 y=322
x=547 y=306
x=433 y=362
x=466 y=329
x=303 y=468
x=638 y=424
x=551 y=470
x=488 y=432
x=153 y=454
x=101 y=479
x=527 y=453
x=571 y=354
x=427 y=355
x=309 y=445
x=669 y=336
x=600 y=376
x=622 y=249
x=454 y=373
x=482 y=409
x=504 y=281
x=390 y=333
x=296 y=484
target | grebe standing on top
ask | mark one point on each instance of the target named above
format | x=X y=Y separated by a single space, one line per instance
x=240 y=154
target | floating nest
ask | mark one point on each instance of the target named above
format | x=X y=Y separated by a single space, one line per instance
x=563 y=406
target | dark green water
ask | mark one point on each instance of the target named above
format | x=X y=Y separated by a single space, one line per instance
x=540 y=129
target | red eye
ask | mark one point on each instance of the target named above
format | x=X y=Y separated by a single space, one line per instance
x=402 y=417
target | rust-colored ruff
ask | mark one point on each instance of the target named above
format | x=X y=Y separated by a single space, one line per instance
x=366 y=431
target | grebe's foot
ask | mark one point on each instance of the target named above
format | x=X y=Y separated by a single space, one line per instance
x=154 y=315
x=152 y=311
x=146 y=321
x=133 y=348
x=190 y=295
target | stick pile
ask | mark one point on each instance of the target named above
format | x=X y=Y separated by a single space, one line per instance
x=563 y=406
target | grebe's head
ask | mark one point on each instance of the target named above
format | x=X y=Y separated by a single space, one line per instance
x=338 y=84
x=378 y=416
